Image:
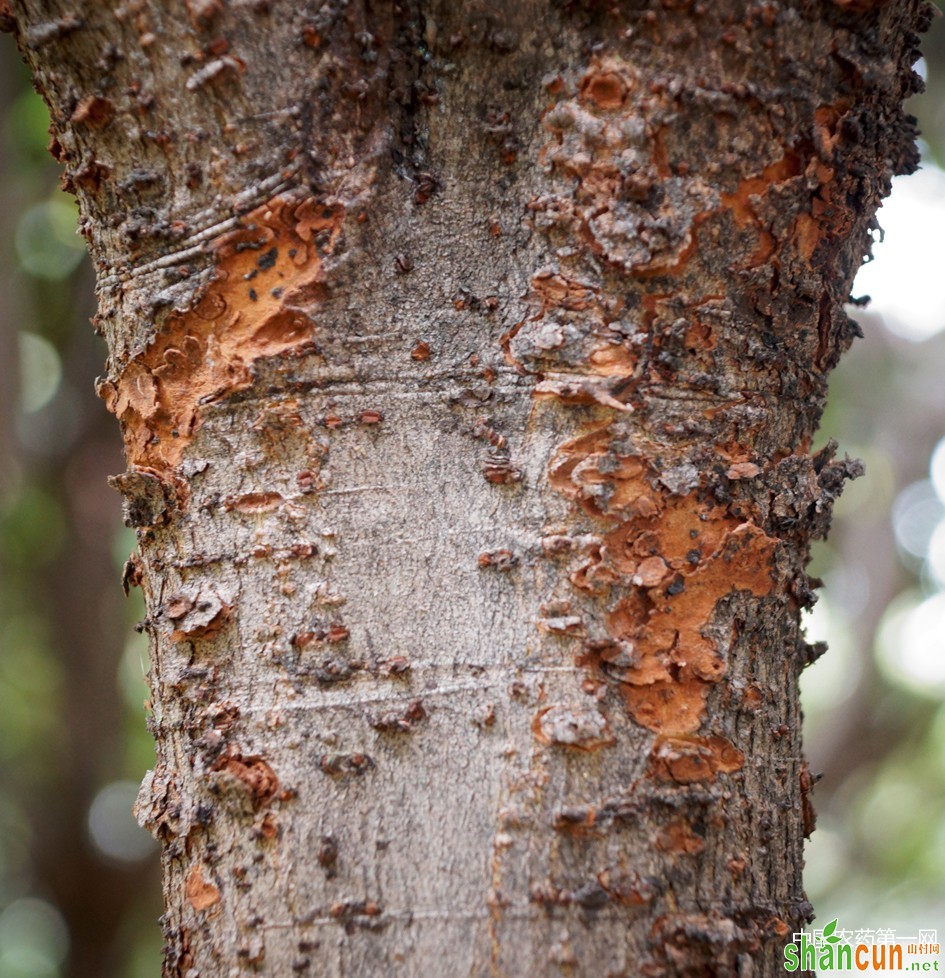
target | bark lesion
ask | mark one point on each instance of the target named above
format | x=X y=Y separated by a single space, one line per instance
x=267 y=275
x=659 y=564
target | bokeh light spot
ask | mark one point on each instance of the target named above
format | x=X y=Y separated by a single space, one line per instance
x=910 y=645
x=905 y=280
x=34 y=939
x=916 y=512
x=40 y=372
x=46 y=240
x=112 y=827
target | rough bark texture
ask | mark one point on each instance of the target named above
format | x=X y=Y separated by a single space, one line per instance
x=468 y=358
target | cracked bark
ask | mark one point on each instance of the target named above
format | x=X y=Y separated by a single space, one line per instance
x=468 y=367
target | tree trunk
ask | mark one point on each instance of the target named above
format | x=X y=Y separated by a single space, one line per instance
x=468 y=358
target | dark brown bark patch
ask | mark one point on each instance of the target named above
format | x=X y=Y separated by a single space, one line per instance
x=678 y=837
x=254 y=773
x=197 y=611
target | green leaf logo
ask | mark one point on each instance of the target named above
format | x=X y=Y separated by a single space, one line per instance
x=829 y=936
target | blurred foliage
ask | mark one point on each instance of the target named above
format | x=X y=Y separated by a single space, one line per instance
x=875 y=720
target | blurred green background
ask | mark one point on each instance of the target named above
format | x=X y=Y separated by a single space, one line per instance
x=79 y=887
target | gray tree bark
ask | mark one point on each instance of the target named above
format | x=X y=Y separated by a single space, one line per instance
x=468 y=358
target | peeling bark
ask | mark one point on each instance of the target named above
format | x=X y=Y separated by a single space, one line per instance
x=548 y=290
